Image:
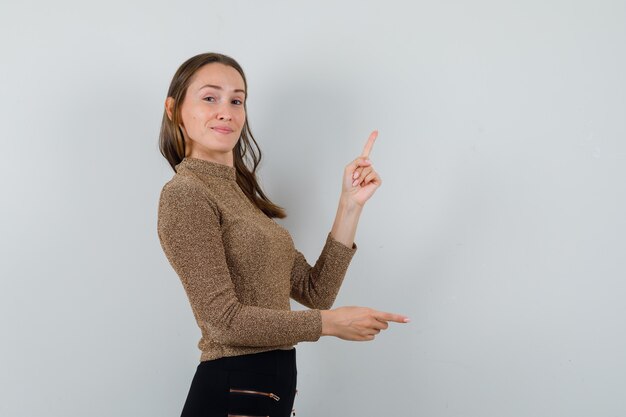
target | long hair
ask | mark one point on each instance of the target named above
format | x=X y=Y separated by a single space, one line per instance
x=245 y=152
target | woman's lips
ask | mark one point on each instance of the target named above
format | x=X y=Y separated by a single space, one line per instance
x=224 y=130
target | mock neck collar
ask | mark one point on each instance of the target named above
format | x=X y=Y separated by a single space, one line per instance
x=203 y=166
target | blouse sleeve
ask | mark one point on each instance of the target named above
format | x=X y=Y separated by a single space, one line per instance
x=189 y=232
x=317 y=286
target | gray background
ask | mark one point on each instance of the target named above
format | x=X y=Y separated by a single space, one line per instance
x=499 y=228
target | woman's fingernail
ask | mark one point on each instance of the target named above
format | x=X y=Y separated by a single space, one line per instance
x=355 y=175
x=406 y=319
x=355 y=182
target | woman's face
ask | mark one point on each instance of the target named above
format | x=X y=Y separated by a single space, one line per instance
x=213 y=113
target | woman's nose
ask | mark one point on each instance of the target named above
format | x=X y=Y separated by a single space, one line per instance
x=223 y=112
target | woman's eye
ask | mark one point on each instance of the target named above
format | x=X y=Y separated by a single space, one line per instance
x=210 y=98
x=237 y=101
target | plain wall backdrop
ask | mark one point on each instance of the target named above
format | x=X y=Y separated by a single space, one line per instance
x=499 y=228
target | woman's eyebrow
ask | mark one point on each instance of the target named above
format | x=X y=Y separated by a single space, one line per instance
x=238 y=90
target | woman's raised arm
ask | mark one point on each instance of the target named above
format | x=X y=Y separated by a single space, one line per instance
x=359 y=183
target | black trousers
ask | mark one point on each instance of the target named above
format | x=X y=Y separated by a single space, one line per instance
x=259 y=384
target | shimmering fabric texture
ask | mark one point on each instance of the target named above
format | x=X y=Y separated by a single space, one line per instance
x=239 y=267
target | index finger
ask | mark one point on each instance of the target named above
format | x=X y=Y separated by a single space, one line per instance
x=398 y=318
x=370 y=143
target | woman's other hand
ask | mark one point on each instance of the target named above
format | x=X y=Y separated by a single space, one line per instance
x=357 y=323
x=360 y=181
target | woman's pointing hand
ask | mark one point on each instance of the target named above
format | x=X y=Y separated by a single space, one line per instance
x=357 y=323
x=360 y=181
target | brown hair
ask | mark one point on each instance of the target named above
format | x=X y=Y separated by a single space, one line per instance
x=172 y=142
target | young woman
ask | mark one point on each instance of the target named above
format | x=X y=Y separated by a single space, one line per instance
x=237 y=265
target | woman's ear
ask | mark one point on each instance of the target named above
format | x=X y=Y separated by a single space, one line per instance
x=169 y=105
